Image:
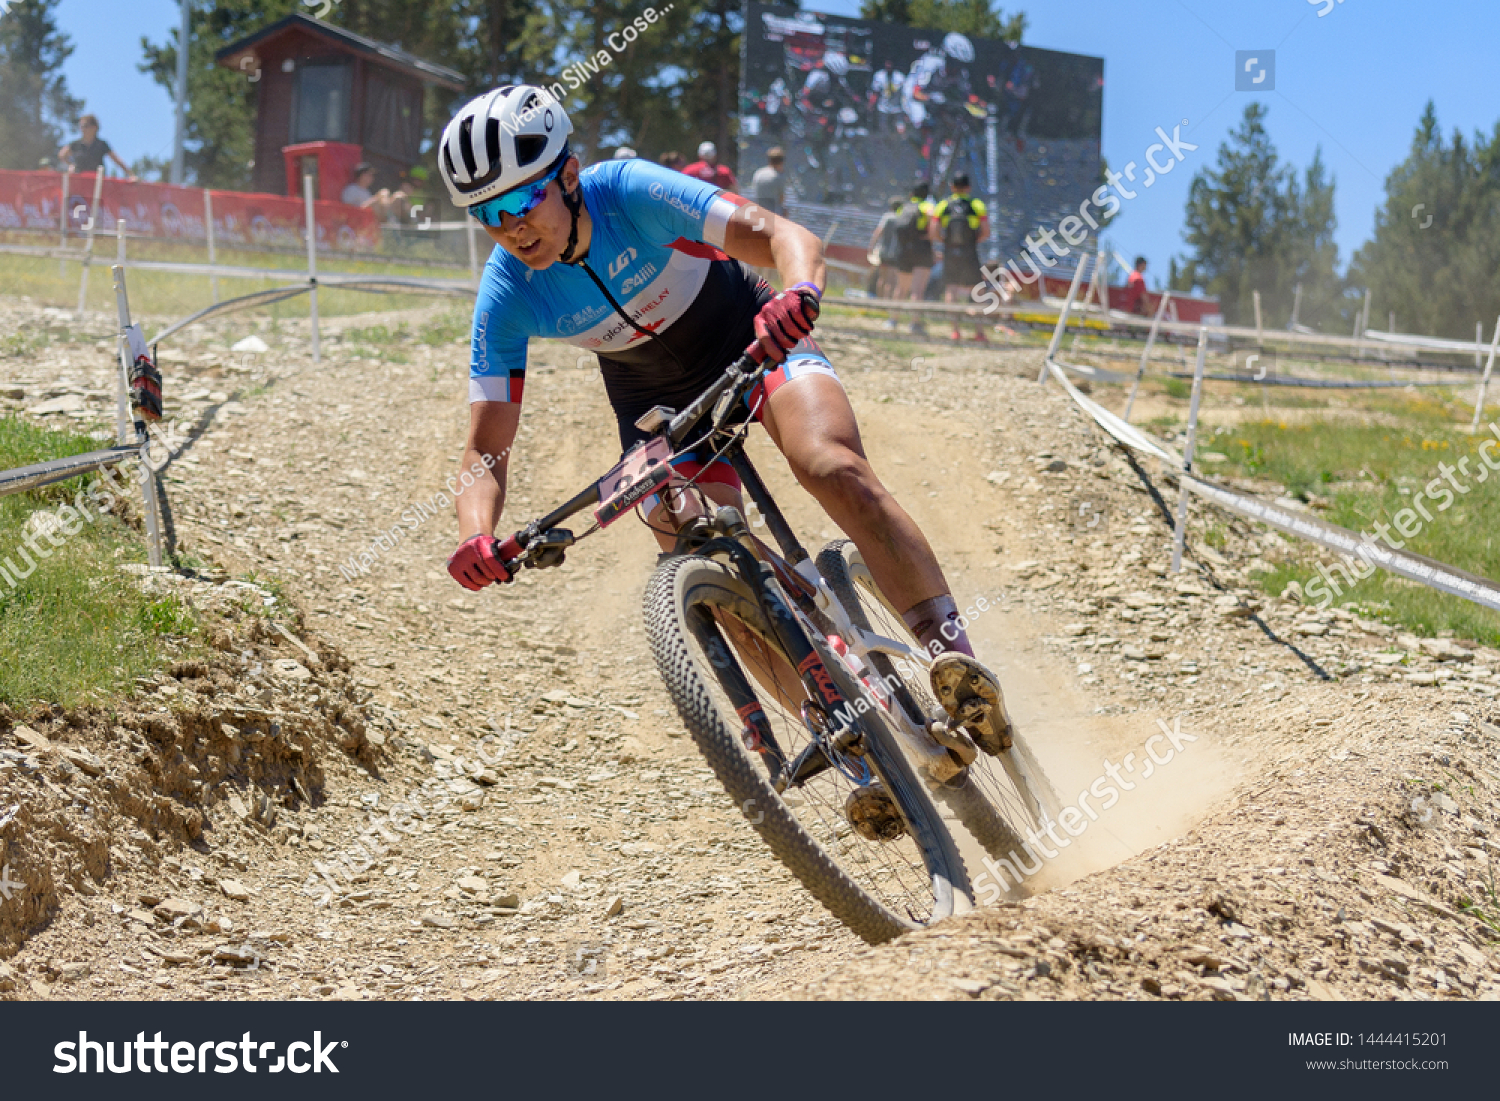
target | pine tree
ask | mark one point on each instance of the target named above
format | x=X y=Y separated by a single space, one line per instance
x=1253 y=225
x=36 y=111
x=1435 y=256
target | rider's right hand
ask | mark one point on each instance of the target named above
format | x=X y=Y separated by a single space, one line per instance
x=476 y=564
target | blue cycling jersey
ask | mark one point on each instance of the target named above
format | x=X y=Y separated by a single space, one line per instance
x=655 y=243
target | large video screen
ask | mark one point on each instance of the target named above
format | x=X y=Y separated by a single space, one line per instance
x=863 y=110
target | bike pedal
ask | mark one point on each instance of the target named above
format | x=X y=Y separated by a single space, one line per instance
x=955 y=738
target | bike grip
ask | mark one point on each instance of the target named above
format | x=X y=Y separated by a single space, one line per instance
x=508 y=550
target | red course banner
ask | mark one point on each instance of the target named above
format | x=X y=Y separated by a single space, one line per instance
x=32 y=200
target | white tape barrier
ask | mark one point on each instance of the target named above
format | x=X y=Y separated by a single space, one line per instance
x=1427 y=571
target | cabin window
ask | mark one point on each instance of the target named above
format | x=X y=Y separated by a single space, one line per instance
x=321 y=109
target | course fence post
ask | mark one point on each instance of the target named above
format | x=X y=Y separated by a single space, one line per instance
x=312 y=262
x=1161 y=308
x=1180 y=532
x=213 y=256
x=1484 y=379
x=62 y=220
x=1062 y=317
x=1260 y=336
x=1364 y=323
x=131 y=344
x=122 y=309
x=88 y=249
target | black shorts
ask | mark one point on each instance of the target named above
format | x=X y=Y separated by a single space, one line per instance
x=919 y=257
x=961 y=271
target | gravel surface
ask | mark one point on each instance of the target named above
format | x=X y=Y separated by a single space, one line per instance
x=378 y=785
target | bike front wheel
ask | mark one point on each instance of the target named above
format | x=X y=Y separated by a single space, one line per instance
x=719 y=658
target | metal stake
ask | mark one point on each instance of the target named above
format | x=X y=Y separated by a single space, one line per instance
x=1484 y=380
x=1179 y=535
x=312 y=262
x=1161 y=308
x=1062 y=317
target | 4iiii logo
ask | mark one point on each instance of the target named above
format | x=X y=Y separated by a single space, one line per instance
x=814 y=665
x=621 y=262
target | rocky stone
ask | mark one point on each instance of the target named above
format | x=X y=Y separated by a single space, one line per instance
x=234 y=889
x=171 y=909
x=68 y=403
x=84 y=761
x=473 y=885
x=614 y=906
x=31 y=739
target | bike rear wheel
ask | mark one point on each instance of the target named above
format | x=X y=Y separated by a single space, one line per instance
x=879 y=889
x=998 y=800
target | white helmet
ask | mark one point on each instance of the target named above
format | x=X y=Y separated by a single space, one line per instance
x=836 y=63
x=958 y=47
x=624 y=153
x=500 y=140
x=707 y=149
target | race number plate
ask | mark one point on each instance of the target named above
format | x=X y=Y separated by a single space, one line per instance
x=641 y=473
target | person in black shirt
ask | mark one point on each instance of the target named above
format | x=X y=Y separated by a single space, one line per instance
x=88 y=153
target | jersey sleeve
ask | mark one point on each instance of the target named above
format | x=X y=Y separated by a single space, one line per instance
x=497 y=358
x=979 y=208
x=666 y=205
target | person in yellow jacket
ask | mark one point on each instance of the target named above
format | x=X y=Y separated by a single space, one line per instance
x=960 y=223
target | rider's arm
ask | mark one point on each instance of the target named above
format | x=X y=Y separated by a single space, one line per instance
x=763 y=240
x=492 y=433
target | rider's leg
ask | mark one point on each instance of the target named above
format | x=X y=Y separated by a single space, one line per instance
x=811 y=421
x=903 y=288
x=918 y=294
x=809 y=418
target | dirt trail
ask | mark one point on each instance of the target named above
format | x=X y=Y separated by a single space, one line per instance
x=573 y=844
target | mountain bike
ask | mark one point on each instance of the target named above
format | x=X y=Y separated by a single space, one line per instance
x=801 y=685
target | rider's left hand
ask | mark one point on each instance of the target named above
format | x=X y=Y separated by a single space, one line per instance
x=785 y=320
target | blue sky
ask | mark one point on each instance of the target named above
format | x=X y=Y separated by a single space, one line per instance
x=1353 y=81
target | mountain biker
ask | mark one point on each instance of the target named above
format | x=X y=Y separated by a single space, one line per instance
x=646 y=267
x=961 y=223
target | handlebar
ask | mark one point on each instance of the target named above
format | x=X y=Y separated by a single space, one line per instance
x=541 y=542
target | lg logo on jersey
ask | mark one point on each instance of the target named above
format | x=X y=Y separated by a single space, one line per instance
x=621 y=261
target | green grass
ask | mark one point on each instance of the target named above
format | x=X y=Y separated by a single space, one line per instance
x=1369 y=473
x=77 y=630
x=164 y=295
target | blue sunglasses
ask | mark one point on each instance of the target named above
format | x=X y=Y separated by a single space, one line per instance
x=520 y=201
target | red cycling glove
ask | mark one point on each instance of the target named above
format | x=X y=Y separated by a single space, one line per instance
x=475 y=564
x=785 y=320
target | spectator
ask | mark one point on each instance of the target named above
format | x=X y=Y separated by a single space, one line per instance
x=624 y=153
x=88 y=153
x=385 y=203
x=1135 y=288
x=913 y=251
x=768 y=185
x=708 y=169
x=673 y=160
x=885 y=250
x=960 y=224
